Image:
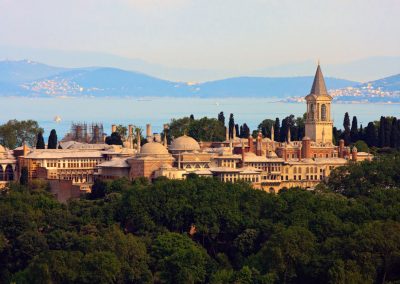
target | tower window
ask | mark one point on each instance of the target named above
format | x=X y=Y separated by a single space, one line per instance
x=323 y=112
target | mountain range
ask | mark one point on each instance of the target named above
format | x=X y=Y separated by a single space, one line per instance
x=32 y=79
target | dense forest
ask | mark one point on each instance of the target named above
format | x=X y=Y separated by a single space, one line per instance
x=203 y=231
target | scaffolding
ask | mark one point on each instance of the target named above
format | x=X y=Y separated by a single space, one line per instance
x=84 y=133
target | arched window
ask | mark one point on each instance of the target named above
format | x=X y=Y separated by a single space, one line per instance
x=311 y=114
x=9 y=173
x=323 y=112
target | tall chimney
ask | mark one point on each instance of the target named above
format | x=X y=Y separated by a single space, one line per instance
x=149 y=134
x=113 y=128
x=226 y=134
x=138 y=140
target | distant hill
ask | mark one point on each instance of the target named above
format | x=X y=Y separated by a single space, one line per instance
x=25 y=71
x=27 y=78
x=266 y=87
x=389 y=84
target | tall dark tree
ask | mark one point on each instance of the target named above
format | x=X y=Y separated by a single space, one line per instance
x=23 y=179
x=245 y=131
x=381 y=132
x=361 y=133
x=265 y=127
x=52 y=142
x=394 y=136
x=237 y=130
x=221 y=117
x=40 y=141
x=370 y=134
x=388 y=131
x=231 y=125
x=277 y=129
x=354 y=130
x=346 y=125
x=191 y=117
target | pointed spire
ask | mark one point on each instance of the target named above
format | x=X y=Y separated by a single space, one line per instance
x=318 y=87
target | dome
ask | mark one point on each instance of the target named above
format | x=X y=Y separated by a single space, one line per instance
x=153 y=148
x=184 y=143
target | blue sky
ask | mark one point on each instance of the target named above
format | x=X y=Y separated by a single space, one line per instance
x=241 y=35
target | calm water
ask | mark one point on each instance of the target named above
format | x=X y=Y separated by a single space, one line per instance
x=160 y=110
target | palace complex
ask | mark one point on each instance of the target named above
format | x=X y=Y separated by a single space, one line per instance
x=267 y=164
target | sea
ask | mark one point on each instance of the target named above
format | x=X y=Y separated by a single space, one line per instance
x=158 y=111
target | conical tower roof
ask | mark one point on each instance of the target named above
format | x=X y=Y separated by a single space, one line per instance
x=318 y=86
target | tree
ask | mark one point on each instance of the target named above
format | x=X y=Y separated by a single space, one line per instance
x=361 y=146
x=221 y=118
x=191 y=117
x=381 y=132
x=354 y=130
x=40 y=141
x=179 y=259
x=23 y=179
x=265 y=127
x=15 y=133
x=245 y=131
x=237 y=130
x=277 y=129
x=346 y=125
x=395 y=134
x=52 y=142
x=388 y=131
x=231 y=125
x=370 y=134
x=114 y=139
x=122 y=130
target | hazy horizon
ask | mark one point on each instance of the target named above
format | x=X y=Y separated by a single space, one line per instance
x=208 y=39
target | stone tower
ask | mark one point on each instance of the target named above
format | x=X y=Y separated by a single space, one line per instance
x=318 y=122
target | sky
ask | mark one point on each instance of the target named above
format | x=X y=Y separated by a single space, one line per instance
x=243 y=35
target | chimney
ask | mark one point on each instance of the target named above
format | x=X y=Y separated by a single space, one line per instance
x=354 y=154
x=130 y=130
x=138 y=140
x=259 y=144
x=149 y=134
x=341 y=148
x=113 y=128
x=243 y=152
x=226 y=134
x=251 y=144
x=25 y=149
x=272 y=133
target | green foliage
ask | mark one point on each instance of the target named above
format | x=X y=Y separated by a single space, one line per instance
x=114 y=139
x=15 y=133
x=203 y=129
x=361 y=146
x=346 y=231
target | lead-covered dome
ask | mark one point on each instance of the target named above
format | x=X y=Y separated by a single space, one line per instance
x=184 y=143
x=153 y=148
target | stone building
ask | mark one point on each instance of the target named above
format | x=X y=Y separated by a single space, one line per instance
x=7 y=166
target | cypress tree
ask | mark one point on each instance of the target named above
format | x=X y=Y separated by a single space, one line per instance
x=335 y=135
x=40 y=141
x=191 y=117
x=394 y=137
x=381 y=133
x=221 y=117
x=354 y=130
x=246 y=131
x=361 y=133
x=277 y=129
x=388 y=131
x=23 y=179
x=237 y=130
x=52 y=142
x=231 y=125
x=370 y=135
x=346 y=125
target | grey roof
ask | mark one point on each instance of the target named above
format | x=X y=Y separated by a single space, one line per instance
x=115 y=163
x=318 y=86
